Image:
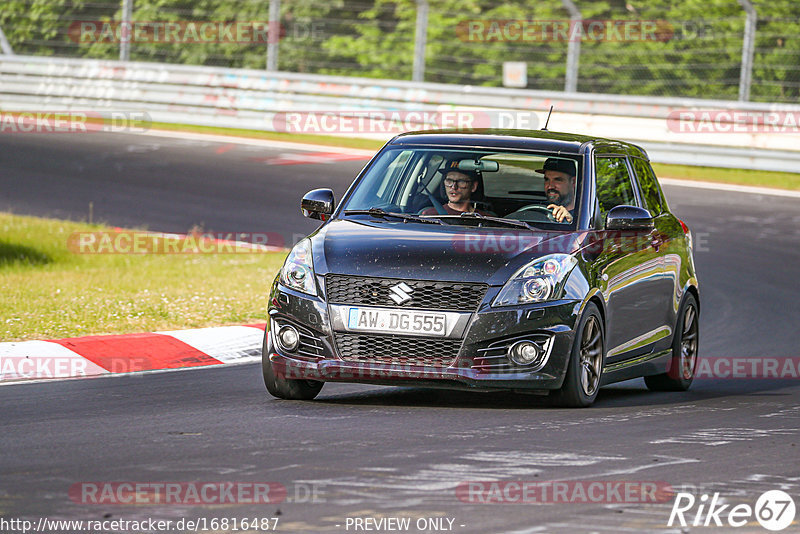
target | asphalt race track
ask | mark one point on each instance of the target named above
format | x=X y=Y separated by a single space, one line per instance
x=164 y=184
x=375 y=452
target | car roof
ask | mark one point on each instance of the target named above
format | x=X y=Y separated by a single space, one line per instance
x=545 y=140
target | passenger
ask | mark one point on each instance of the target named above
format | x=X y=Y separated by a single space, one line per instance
x=459 y=186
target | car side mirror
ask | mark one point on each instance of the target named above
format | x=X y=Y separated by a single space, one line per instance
x=318 y=204
x=628 y=218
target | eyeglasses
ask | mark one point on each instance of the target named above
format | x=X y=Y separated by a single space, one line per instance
x=462 y=184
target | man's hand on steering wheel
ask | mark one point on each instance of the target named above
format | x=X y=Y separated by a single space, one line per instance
x=560 y=213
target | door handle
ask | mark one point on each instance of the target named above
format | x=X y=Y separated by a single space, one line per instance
x=655 y=240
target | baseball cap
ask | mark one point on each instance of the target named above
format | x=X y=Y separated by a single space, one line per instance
x=452 y=166
x=561 y=165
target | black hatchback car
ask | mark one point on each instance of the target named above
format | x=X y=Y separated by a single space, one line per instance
x=519 y=260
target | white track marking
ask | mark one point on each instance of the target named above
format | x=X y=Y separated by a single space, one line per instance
x=731 y=187
x=265 y=143
x=225 y=343
x=31 y=360
x=723 y=436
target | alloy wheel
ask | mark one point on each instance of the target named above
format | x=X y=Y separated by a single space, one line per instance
x=688 y=356
x=591 y=356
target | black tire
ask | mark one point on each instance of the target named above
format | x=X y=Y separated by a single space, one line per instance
x=585 y=369
x=281 y=387
x=685 y=344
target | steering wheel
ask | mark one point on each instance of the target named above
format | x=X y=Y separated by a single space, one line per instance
x=535 y=207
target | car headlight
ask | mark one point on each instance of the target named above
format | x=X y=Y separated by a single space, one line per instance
x=537 y=281
x=298 y=269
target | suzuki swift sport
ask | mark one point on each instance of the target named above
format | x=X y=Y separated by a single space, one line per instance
x=516 y=260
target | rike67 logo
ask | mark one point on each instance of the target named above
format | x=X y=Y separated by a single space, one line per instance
x=774 y=510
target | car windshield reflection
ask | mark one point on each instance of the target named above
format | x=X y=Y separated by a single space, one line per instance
x=515 y=189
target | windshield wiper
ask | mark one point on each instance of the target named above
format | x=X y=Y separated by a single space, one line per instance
x=382 y=214
x=500 y=220
x=509 y=222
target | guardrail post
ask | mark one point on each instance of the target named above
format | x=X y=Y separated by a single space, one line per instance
x=125 y=37
x=5 y=46
x=420 y=41
x=574 y=46
x=273 y=35
x=748 y=48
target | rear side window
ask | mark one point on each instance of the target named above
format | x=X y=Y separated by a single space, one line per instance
x=649 y=186
x=614 y=187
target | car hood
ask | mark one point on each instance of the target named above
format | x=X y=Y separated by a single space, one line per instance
x=392 y=249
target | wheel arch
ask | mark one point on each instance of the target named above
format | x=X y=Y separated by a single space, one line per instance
x=689 y=289
x=692 y=289
x=596 y=297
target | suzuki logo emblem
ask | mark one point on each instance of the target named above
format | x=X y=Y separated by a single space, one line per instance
x=400 y=293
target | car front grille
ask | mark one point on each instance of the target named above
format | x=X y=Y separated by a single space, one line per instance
x=397 y=350
x=425 y=294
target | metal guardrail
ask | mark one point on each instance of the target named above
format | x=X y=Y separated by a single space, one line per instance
x=240 y=98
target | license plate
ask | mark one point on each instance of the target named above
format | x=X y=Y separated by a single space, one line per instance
x=401 y=322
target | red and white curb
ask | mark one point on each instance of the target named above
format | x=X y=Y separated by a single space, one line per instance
x=129 y=353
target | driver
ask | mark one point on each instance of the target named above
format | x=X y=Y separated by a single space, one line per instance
x=459 y=185
x=559 y=186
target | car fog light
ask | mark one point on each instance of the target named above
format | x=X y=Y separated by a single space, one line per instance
x=523 y=352
x=288 y=338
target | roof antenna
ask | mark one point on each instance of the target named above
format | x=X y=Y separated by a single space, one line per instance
x=548 y=119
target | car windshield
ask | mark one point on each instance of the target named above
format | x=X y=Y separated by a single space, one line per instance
x=488 y=185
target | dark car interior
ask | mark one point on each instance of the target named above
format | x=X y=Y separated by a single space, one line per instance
x=514 y=191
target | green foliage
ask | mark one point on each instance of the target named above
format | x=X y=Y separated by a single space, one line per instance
x=30 y=24
x=697 y=52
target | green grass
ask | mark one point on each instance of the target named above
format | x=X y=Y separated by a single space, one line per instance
x=48 y=292
x=780 y=180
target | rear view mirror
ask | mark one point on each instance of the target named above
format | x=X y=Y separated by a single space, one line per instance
x=481 y=165
x=318 y=204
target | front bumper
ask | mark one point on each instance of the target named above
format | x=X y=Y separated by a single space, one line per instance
x=487 y=327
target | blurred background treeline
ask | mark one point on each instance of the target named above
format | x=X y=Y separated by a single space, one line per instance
x=698 y=53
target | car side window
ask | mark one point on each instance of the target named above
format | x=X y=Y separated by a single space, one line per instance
x=649 y=187
x=614 y=187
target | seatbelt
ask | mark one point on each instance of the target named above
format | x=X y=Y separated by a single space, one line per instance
x=436 y=204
